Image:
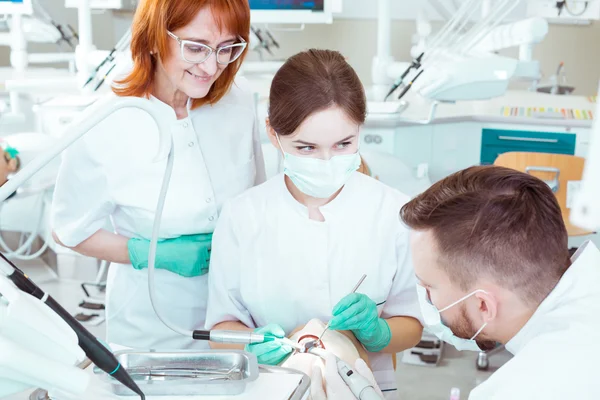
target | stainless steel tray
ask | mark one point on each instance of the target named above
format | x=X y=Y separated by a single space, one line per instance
x=185 y=373
x=303 y=386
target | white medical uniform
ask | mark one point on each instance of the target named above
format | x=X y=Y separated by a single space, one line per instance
x=110 y=173
x=556 y=353
x=272 y=264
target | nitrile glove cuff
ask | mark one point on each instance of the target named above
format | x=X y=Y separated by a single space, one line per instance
x=138 y=253
x=376 y=339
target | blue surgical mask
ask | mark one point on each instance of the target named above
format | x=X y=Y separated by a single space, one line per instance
x=434 y=324
x=319 y=178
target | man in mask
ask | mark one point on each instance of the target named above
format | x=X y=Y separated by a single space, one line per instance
x=490 y=251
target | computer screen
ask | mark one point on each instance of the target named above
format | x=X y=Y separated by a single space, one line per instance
x=290 y=11
x=316 y=5
x=15 y=6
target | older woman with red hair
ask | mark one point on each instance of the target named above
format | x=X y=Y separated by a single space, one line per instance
x=186 y=54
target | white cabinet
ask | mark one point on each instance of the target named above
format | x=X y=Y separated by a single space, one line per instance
x=454 y=147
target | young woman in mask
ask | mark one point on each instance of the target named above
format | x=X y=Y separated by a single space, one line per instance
x=293 y=248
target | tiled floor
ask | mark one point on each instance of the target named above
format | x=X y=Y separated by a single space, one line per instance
x=457 y=369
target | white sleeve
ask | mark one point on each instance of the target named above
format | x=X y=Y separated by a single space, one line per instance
x=224 y=298
x=261 y=175
x=81 y=203
x=403 y=300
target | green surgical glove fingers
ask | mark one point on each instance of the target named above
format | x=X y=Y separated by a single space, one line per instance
x=187 y=256
x=358 y=313
x=270 y=353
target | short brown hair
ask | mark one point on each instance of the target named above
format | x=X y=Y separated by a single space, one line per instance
x=312 y=81
x=495 y=222
x=152 y=20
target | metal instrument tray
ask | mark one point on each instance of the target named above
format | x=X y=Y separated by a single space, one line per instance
x=303 y=385
x=185 y=373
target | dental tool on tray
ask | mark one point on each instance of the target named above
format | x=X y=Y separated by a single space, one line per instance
x=360 y=281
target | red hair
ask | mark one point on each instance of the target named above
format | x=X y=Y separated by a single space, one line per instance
x=151 y=22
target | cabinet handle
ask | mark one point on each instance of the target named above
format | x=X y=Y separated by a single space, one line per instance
x=527 y=139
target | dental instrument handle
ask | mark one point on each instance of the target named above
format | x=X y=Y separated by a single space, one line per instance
x=231 y=337
x=358 y=384
x=104 y=77
x=358 y=284
x=101 y=356
x=415 y=64
x=407 y=87
x=360 y=281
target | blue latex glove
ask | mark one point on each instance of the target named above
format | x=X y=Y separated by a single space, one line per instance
x=358 y=313
x=270 y=353
x=187 y=256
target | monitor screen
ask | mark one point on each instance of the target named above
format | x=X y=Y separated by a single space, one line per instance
x=290 y=11
x=313 y=5
x=15 y=6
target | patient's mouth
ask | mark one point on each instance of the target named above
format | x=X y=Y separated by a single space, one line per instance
x=310 y=342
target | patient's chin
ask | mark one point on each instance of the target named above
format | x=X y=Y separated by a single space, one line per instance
x=303 y=362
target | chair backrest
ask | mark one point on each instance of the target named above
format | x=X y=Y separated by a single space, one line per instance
x=555 y=169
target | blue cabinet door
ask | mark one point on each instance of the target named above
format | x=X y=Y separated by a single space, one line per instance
x=495 y=142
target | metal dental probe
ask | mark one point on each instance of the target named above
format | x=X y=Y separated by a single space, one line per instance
x=360 y=281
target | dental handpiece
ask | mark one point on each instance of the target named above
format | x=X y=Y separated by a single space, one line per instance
x=358 y=384
x=232 y=337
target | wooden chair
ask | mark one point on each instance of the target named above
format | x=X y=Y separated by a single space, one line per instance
x=556 y=170
x=364 y=167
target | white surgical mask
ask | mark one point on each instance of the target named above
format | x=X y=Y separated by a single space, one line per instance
x=319 y=178
x=433 y=322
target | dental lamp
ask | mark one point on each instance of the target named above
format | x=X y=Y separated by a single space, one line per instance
x=92 y=116
x=454 y=68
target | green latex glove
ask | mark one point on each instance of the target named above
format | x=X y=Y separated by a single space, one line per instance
x=187 y=256
x=270 y=353
x=358 y=313
x=12 y=152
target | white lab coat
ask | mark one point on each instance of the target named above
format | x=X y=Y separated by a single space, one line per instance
x=556 y=353
x=272 y=264
x=110 y=173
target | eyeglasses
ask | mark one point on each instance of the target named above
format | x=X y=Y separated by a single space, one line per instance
x=197 y=53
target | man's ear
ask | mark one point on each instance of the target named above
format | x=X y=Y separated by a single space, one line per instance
x=488 y=306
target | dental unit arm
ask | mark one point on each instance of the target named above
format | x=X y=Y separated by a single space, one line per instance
x=93 y=115
x=38 y=348
x=459 y=62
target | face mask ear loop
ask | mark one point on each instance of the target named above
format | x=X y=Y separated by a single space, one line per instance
x=479 y=331
x=462 y=299
x=279 y=142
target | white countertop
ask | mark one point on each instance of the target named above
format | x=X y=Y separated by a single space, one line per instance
x=488 y=111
